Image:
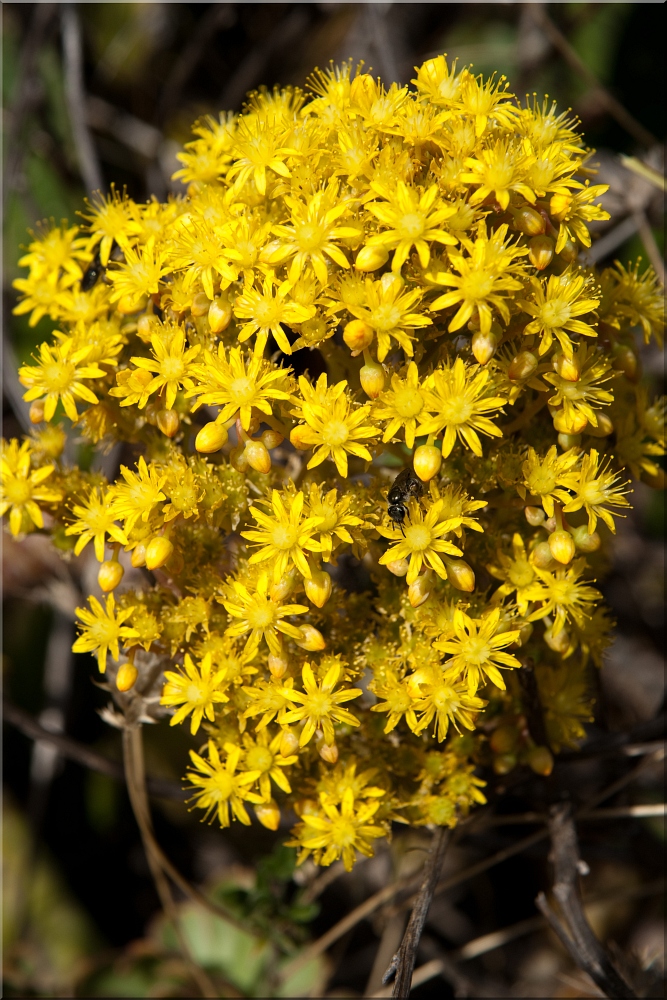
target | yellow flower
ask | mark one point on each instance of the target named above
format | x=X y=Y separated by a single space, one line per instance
x=499 y=169
x=555 y=304
x=338 y=831
x=235 y=387
x=457 y=400
x=484 y=100
x=20 y=489
x=258 y=614
x=262 y=754
x=111 y=219
x=209 y=156
x=171 y=363
x=581 y=396
x=595 y=492
x=436 y=83
x=399 y=699
x=94 y=522
x=442 y=701
x=56 y=249
x=388 y=310
x=57 y=376
x=414 y=221
x=268 y=700
x=40 y=296
x=542 y=477
x=258 y=148
x=519 y=575
x=196 y=689
x=219 y=787
x=421 y=540
x=333 y=519
x=139 y=275
x=138 y=495
x=401 y=405
x=103 y=629
x=284 y=534
x=267 y=312
x=639 y=299
x=319 y=704
x=565 y=596
x=476 y=649
x=332 y=424
x=195 y=249
x=573 y=210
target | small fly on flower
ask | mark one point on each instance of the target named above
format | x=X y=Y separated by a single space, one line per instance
x=405 y=487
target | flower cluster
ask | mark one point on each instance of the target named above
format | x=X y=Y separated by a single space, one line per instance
x=356 y=279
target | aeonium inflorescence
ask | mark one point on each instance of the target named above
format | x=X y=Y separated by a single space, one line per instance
x=352 y=277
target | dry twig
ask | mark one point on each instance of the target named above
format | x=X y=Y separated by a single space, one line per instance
x=76 y=99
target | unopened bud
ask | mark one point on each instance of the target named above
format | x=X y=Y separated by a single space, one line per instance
x=289 y=743
x=562 y=546
x=522 y=366
x=138 y=557
x=371 y=258
x=168 y=422
x=358 y=335
x=311 y=639
x=504 y=763
x=219 y=315
x=129 y=304
x=297 y=436
x=529 y=221
x=550 y=524
x=257 y=456
x=283 y=587
x=541 y=251
x=625 y=360
x=158 y=551
x=427 y=461
x=211 y=438
x=585 y=541
x=484 y=345
x=328 y=752
x=535 y=516
x=567 y=441
x=371 y=377
x=570 y=421
x=145 y=325
x=569 y=252
x=200 y=304
x=525 y=633
x=237 y=458
x=109 y=575
x=277 y=666
x=560 y=642
x=268 y=813
x=540 y=760
x=542 y=557
x=504 y=739
x=318 y=588
x=460 y=575
x=399 y=567
x=37 y=411
x=126 y=677
x=566 y=367
x=604 y=427
x=272 y=439
x=420 y=589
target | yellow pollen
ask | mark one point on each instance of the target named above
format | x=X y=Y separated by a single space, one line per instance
x=284 y=536
x=555 y=313
x=259 y=759
x=18 y=491
x=411 y=225
x=408 y=402
x=335 y=433
x=172 y=368
x=194 y=694
x=242 y=390
x=418 y=537
x=58 y=376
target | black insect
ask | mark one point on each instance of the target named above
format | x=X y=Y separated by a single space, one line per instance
x=405 y=487
x=93 y=272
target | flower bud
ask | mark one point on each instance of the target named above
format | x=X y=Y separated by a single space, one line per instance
x=129 y=304
x=282 y=588
x=237 y=458
x=358 y=335
x=566 y=367
x=37 y=411
x=542 y=557
x=272 y=439
x=535 y=516
x=570 y=252
x=268 y=813
x=522 y=366
x=109 y=575
x=296 y=436
x=604 y=427
x=504 y=763
x=427 y=461
x=550 y=524
x=399 y=567
x=371 y=377
x=126 y=676
x=277 y=666
x=572 y=422
x=318 y=588
x=145 y=328
x=525 y=633
x=311 y=639
x=420 y=589
x=257 y=456
x=175 y=563
x=625 y=360
x=540 y=760
x=584 y=541
x=567 y=441
x=560 y=643
x=289 y=743
x=562 y=546
x=484 y=345
x=158 y=551
x=504 y=739
x=460 y=575
x=138 y=557
x=541 y=251
x=371 y=258
x=529 y=221
x=211 y=438
x=200 y=304
x=329 y=753
x=168 y=422
x=219 y=314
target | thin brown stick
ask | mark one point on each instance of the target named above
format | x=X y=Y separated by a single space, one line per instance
x=576 y=935
x=607 y=99
x=403 y=963
x=651 y=247
x=76 y=98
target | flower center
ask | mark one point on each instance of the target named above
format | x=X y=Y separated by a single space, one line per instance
x=261 y=615
x=223 y=785
x=308 y=236
x=259 y=759
x=327 y=513
x=408 y=402
x=521 y=573
x=284 y=536
x=477 y=285
x=411 y=225
x=591 y=494
x=555 y=313
x=172 y=368
x=335 y=433
x=456 y=411
x=195 y=694
x=266 y=313
x=242 y=390
x=418 y=537
x=477 y=651
x=18 y=491
x=59 y=375
x=386 y=317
